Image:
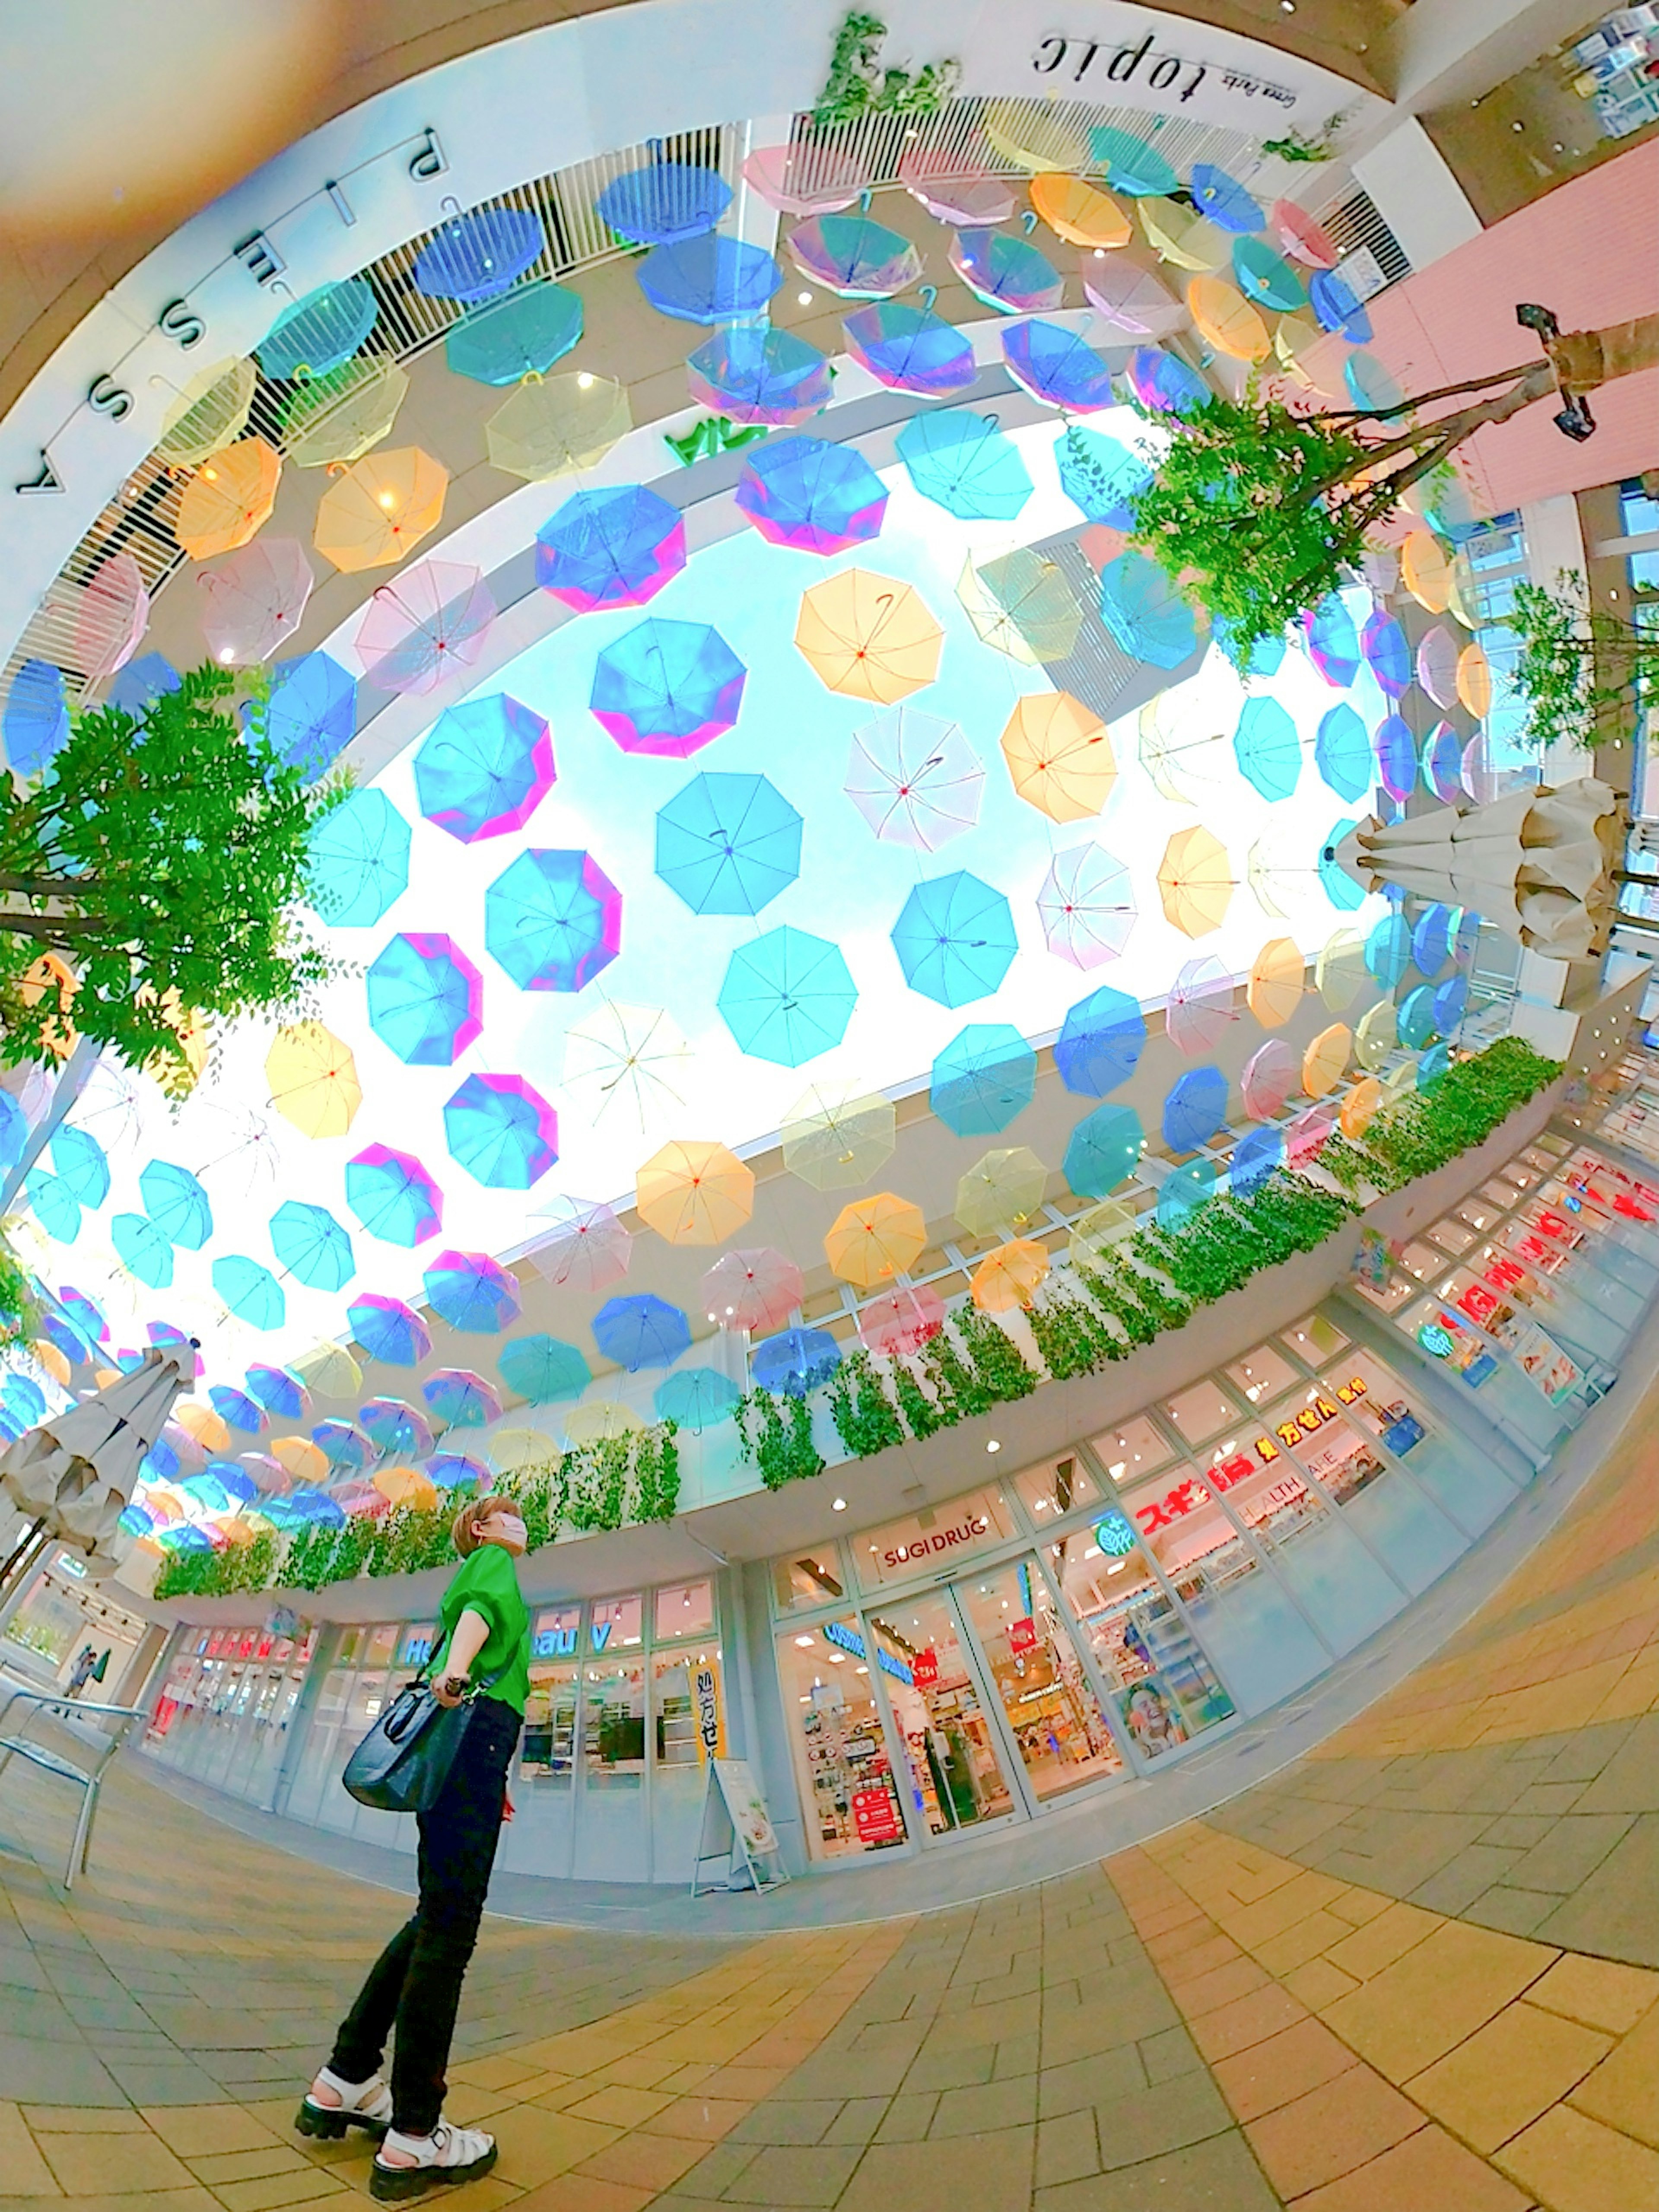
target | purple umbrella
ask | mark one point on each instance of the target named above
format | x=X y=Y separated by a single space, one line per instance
x=393 y=1196
x=853 y=256
x=610 y=549
x=460 y=1398
x=484 y=768
x=425 y=1000
x=758 y=374
x=502 y=1131
x=391 y=1425
x=388 y=1330
x=344 y=1444
x=1436 y=666
x=1333 y=642
x=434 y=619
x=1058 y=366
x=810 y=494
x=1396 y=757
x=911 y=349
x=1443 y=764
x=473 y=1292
x=1163 y=383
x=1382 y=643
x=1131 y=298
x=667 y=688
x=454 y=1471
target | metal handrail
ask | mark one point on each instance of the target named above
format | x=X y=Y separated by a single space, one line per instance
x=68 y=1770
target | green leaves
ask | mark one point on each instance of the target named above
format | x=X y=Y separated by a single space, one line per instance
x=1582 y=672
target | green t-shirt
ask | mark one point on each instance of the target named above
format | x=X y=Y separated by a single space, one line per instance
x=488 y=1585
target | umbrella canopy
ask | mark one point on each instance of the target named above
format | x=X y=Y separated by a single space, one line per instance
x=963 y=462
x=205 y=416
x=758 y=374
x=177 y=1204
x=228 y=500
x=1130 y=164
x=357 y=860
x=1199 y=1009
x=502 y=1131
x=278 y=1391
x=1034 y=135
x=804 y=179
x=112 y=610
x=910 y=349
x=628 y=1055
x=1436 y=666
x=313 y=1079
x=342 y=416
x=1271 y=1074
x=1100 y=1043
x=709 y=279
x=1183 y=235
x=1145 y=612
x=1474 y=681
x=521 y=334
x=1426 y=569
x=1336 y=308
x=252 y=1292
x=1184 y=1191
x=1086 y=906
x=853 y=256
x=1339 y=972
x=1078 y=211
x=484 y=768
x=1022 y=604
x=1375 y=1035
x=1195 y=881
x=667 y=688
x=1164 y=382
x=1132 y=299
x=1389 y=951
x=916 y=778
x=1255 y=1157
x=311 y=711
x=610 y=549
x=82 y=1163
x=473 y=1292
x=142 y=1248
x=36 y=724
x=872 y=1239
x=786 y=997
x=328 y=1370
x=1101 y=475
x=252 y=604
x=1194 y=1109
x=585 y=1248
x=1059 y=755
x=1333 y=642
x=1278 y=978
x=1103 y=1150
x=984 y=1078
x=795 y=1362
x=955 y=938
x=1265 y=277
x=728 y=844
x=1383 y=648
x=758 y=1289
x=899 y=1322
x=641 y=1331
x=425 y=999
x=461 y=1399
x=393 y=1196
x=406 y=1486
x=1002 y=1190
x=1325 y=1062
x=53 y=1205
x=1222 y=315
x=1058 y=366
x=1010 y=1277
x=557 y=426
x=342 y=1445
x=311 y=1245
x=1342 y=752
x=664 y=201
x=868 y=636
x=811 y=494
x=696 y=1398
x=1396 y=756
x=239 y=1411
x=1268 y=749
x=1442 y=763
x=299 y=1458
x=420 y=629
x=1304 y=239
x=695 y=1192
x=379 y=510
x=553 y=919
x=1416 y=1019
x=320 y=330
x=1431 y=948
x=200 y=1423
x=1097 y=1234
x=1360 y=1107
x=835 y=1137
x=1008 y=274
x=542 y=1370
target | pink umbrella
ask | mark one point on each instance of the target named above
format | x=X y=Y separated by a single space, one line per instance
x=805 y=180
x=901 y=1320
x=1271 y=1074
x=272 y=1477
x=1302 y=238
x=110 y=612
x=587 y=1248
x=1436 y=666
x=756 y=1289
x=1306 y=1134
x=1200 y=1008
x=1086 y=906
x=956 y=190
x=431 y=620
x=1131 y=298
x=252 y=603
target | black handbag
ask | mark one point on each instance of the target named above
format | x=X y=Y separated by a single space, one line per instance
x=403 y=1763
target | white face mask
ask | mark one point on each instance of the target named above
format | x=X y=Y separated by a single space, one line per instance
x=507 y=1530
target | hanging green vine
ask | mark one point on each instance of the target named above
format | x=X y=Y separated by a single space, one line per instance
x=859 y=85
x=862 y=1410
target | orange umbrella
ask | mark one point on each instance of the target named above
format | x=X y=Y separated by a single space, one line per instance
x=1226 y=318
x=380 y=508
x=1426 y=569
x=694 y=1193
x=404 y=1485
x=1325 y=1062
x=228 y=499
x=1274 y=990
x=51 y=976
x=1361 y=1107
x=1059 y=755
x=1182 y=235
x=203 y=1423
x=313 y=1079
x=868 y=636
x=1079 y=212
x=1195 y=881
x=305 y=1461
x=872 y=1239
x=51 y=1359
x=1010 y=1276
x=1475 y=680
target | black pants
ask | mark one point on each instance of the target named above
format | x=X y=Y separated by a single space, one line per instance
x=417 y=1980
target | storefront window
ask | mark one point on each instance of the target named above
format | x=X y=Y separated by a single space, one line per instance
x=689 y=1728
x=813 y=1577
x=1051 y=1710
x=547 y=1755
x=685 y=1609
x=1162 y=1684
x=1398 y=1521
x=612 y=1842
x=1314 y=1338
x=1261 y=1374
x=1130 y=1449
x=615 y=1624
x=933 y=1540
x=1052 y=1490
x=1202 y=1412
x=1467 y=1483
x=849 y=1799
x=956 y=1776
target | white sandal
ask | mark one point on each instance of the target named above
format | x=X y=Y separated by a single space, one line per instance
x=446 y=2155
x=361 y=2105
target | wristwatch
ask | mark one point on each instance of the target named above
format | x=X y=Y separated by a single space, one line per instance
x=456 y=1685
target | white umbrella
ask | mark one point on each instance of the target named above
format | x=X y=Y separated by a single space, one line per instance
x=628 y=1056
x=74 y=1473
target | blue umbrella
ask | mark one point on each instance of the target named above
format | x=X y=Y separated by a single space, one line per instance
x=1266 y=276
x=312 y=713
x=425 y=1000
x=759 y=375
x=14 y=1130
x=1164 y=383
x=80 y=1159
x=696 y=1398
x=642 y=1331
x=344 y=1444
x=1255 y=1156
x=1443 y=762
x=1433 y=1063
x=1100 y=1043
x=963 y=462
x=1389 y=951
x=311 y=1245
x=1333 y=640
x=392 y=1427
x=84 y=1313
x=796 y=1361
x=1370 y=385
x=208 y=1492
x=1466 y=936
x=239 y=1411
x=521 y=334
x=855 y=255
x=460 y=1398
x=502 y=1131
x=320 y=333
x=728 y=844
x=1225 y=200
x=983 y=1080
x=1130 y=165
x=1146 y=613
x=454 y=1471
x=811 y=494
x=1431 y=940
x=54 y=1204
x=1268 y=749
x=1339 y=886
x=664 y=202
x=484 y=768
x=132 y=688
x=471 y=1292
x=553 y=919
x=144 y=1251
x=1342 y=752
x=1183 y=1191
x=176 y=1202
x=1396 y=756
x=393 y=1196
x=1265 y=657
x=1008 y=274
x=1058 y=366
x=610 y=549
x=1194 y=1109
x=36 y=723
x=476 y=257
x=786 y=997
x=357 y=860
x=252 y=1292
x=542 y=1370
x=277 y=1391
x=1100 y=476
x=1383 y=644
x=388 y=1330
x=667 y=688
x=1103 y=1150
x=56 y=1331
x=1451 y=997
x=955 y=939
x=1334 y=304
x=709 y=279
x=1415 y=1021
x=911 y=349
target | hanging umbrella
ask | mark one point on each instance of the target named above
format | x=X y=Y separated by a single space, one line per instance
x=1086 y=906
x=1022 y=604
x=911 y=349
x=83 y=1165
x=853 y=256
x=1058 y=366
x=1145 y=612
x=963 y=462
x=804 y=179
x=1342 y=753
x=626 y=1054
x=1194 y=1109
x=328 y=1370
x=1333 y=303
x=521 y=334
x=357 y=860
x=1306 y=241
x=341 y=416
x=312 y=713
x=1396 y=756
x=899 y=1322
x=253 y=601
x=460 y=1398
x=342 y=1445
x=664 y=201
x=1255 y=1157
x=1360 y=1107
x=484 y=768
x=795 y=1362
x=1097 y=1234
x=1268 y=749
x=641 y=1331
x=1436 y=666
x=711 y=279
x=1370 y=385
x=984 y=1078
x=53 y=1205
x=615 y=548
x=379 y=510
x=812 y=496
x=1132 y=299
x=1059 y=755
x=1389 y=951
x=1006 y=273
x=313 y=1079
x=1010 y=1277
x=425 y=999
x=868 y=636
x=586 y=1247
x=1100 y=476
x=758 y=374
x=392 y=1427
x=417 y=630
x=1271 y=1074
x=300 y=1459
x=542 y=1370
x=1033 y=135
x=112 y=610
x=1375 y=1035
x=553 y=919
x=228 y=499
x=320 y=330
x=1163 y=384
x=177 y=1204
x=697 y=1398
x=203 y=1425
x=1451 y=1000
x=142 y=1248
x=1199 y=1009
x=1339 y=972
x=1225 y=200
x=872 y=1239
x=1002 y=1190
x=786 y=997
x=278 y=1391
x=955 y=938
x=1195 y=881
x=836 y=1135
x=1265 y=277
x=311 y=1245
x=1222 y=315
x=667 y=688
x=1130 y=164
x=476 y=256
x=1303 y=350
x=1426 y=569
x=393 y=1196
x=208 y=414
x=1078 y=211
x=85 y=1313
x=694 y=1193
x=1183 y=1191
x=1100 y=1043
x=473 y=1292
x=1103 y=1150
x=252 y=1292
x=728 y=844
x=557 y=426
x=1325 y=1062
x=915 y=779
x=1277 y=977
x=37 y=724
x=1443 y=764
x=1431 y=936
x=599 y=1420
x=503 y=1133
x=755 y=1290
x=1182 y=235
x=1474 y=683
x=1383 y=648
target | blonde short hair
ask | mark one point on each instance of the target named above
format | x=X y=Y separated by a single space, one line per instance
x=464 y=1529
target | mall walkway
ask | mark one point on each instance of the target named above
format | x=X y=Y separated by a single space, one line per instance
x=1418 y=1972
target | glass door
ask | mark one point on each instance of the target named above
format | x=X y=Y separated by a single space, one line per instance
x=951 y=1745
x=1054 y=1721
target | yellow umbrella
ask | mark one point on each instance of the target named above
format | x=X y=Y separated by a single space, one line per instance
x=1223 y=316
x=1361 y=1107
x=1002 y=1190
x=313 y=1079
x=211 y=410
x=1059 y=755
x=873 y=1239
x=1195 y=881
x=1325 y=1062
x=345 y=415
x=380 y=508
x=1340 y=972
x=1475 y=680
x=552 y=425
x=1377 y=1035
x=179 y=1077
x=1277 y=978
x=1399 y=1080
x=694 y=1193
x=1033 y=137
x=330 y=1370
x=228 y=500
x=1010 y=1276
x=1460 y=593
x=1426 y=569
x=406 y=1485
x=836 y=1137
x=600 y=1419
x=868 y=636
x=305 y=1461
x=203 y=1423
x=1021 y=604
x=1097 y=1233
x=49 y=1357
x=1182 y=235
x=1297 y=341
x=1080 y=212
x=509 y=1449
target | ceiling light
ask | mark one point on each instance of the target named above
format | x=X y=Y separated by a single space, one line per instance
x=803 y=298
x=838 y=1506
x=583 y=380
x=991 y=1445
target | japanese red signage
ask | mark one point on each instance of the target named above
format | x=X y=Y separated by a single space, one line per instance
x=1022 y=1635
x=876 y=1817
x=924 y=1668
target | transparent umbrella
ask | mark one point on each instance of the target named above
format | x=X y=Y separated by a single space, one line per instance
x=1199 y=1009
x=210 y=413
x=1086 y=906
x=837 y=1136
x=339 y=417
x=757 y=1289
x=915 y=779
x=1022 y=604
x=433 y=619
x=554 y=427
x=1002 y=1190
x=628 y=1059
x=252 y=604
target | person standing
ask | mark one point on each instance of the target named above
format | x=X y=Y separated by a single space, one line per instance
x=415 y=1985
x=85 y=1661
